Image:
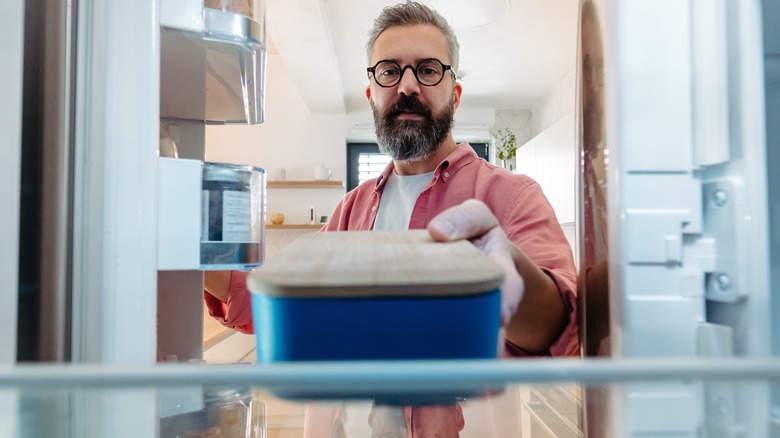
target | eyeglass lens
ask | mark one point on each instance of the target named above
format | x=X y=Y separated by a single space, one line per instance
x=428 y=72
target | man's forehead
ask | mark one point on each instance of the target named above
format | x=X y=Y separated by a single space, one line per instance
x=411 y=44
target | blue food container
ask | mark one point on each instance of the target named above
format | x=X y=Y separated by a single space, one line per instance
x=375 y=295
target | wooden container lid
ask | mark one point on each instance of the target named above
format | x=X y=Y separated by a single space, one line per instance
x=358 y=264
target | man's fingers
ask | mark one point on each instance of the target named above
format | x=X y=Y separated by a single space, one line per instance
x=472 y=218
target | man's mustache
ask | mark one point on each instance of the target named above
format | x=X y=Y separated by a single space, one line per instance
x=409 y=104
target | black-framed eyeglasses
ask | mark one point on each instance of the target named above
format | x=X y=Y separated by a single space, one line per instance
x=428 y=72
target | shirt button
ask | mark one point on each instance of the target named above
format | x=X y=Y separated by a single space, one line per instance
x=373 y=209
x=446 y=174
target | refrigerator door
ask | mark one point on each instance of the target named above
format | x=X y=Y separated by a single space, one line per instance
x=593 y=147
x=684 y=238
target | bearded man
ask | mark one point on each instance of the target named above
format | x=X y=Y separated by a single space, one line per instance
x=434 y=183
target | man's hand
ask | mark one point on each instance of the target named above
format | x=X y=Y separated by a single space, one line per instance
x=539 y=320
x=473 y=220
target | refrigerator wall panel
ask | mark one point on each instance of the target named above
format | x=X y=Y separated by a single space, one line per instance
x=115 y=194
x=11 y=53
x=11 y=57
x=654 y=80
x=743 y=183
x=710 y=82
x=772 y=85
x=689 y=223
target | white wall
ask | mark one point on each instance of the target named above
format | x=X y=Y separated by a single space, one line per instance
x=518 y=121
x=291 y=137
x=554 y=105
x=550 y=156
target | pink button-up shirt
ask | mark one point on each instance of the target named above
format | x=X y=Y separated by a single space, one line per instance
x=517 y=201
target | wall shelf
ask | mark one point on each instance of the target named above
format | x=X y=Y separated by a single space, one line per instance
x=305 y=184
x=294 y=226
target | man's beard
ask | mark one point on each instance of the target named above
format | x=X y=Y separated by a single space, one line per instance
x=411 y=140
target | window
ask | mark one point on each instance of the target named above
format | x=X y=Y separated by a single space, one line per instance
x=364 y=161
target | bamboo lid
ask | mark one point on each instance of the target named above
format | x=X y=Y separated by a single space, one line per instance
x=374 y=264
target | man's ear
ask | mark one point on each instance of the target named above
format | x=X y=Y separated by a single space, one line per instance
x=368 y=94
x=456 y=92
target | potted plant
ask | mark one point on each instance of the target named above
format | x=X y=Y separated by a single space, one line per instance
x=506 y=144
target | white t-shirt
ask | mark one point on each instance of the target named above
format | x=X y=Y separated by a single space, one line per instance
x=395 y=210
x=398 y=198
x=485 y=417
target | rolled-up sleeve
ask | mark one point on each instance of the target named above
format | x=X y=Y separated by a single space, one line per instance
x=530 y=223
x=237 y=312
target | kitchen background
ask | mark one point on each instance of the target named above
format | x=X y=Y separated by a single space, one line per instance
x=298 y=140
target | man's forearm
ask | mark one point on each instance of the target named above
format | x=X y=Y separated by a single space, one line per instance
x=541 y=315
x=217 y=283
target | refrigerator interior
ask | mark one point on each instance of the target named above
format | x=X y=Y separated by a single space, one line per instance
x=715 y=207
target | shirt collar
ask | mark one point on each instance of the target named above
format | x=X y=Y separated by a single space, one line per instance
x=461 y=156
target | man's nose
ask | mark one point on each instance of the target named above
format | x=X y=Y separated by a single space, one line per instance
x=408 y=84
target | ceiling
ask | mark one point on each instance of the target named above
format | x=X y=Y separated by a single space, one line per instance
x=508 y=64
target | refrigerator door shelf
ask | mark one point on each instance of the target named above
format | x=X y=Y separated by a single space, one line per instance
x=182 y=14
x=210 y=215
x=179 y=214
x=216 y=75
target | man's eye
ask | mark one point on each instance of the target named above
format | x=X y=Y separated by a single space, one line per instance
x=428 y=71
x=389 y=72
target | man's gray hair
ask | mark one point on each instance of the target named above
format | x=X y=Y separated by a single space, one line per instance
x=409 y=14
